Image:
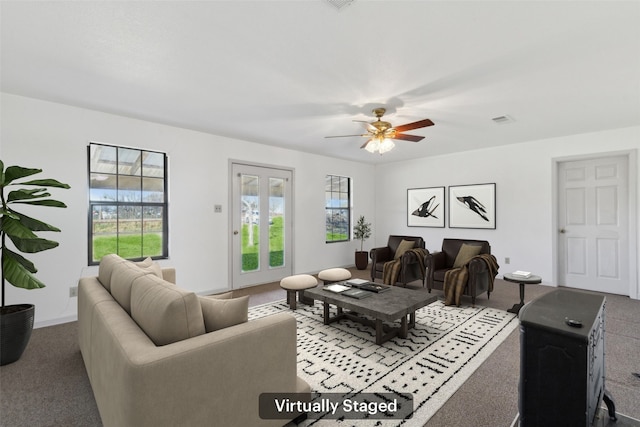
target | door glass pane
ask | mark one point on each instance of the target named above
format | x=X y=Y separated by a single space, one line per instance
x=276 y=222
x=250 y=211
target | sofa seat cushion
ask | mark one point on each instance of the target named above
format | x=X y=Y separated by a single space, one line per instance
x=438 y=275
x=220 y=313
x=165 y=312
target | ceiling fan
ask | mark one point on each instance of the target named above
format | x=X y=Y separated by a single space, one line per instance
x=380 y=133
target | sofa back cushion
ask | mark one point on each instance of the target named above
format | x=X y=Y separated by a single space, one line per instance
x=394 y=242
x=108 y=264
x=122 y=280
x=165 y=312
x=117 y=276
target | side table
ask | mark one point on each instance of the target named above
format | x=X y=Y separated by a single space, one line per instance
x=531 y=280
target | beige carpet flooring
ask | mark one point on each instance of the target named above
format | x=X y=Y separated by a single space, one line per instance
x=48 y=386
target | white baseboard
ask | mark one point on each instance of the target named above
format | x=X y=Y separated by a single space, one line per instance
x=57 y=321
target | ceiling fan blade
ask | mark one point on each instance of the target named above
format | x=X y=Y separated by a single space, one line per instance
x=366 y=143
x=345 y=136
x=412 y=138
x=367 y=125
x=415 y=125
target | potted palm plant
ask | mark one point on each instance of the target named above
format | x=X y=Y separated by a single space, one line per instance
x=362 y=231
x=16 y=321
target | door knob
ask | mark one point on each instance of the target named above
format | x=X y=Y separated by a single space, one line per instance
x=562 y=230
x=235 y=231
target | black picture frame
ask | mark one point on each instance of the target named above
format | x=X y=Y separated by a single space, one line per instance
x=472 y=206
x=426 y=207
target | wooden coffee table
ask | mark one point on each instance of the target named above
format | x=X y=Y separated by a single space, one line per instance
x=390 y=306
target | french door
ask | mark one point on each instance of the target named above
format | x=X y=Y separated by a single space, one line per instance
x=593 y=224
x=261 y=224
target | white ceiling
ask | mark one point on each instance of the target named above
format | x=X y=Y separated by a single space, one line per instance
x=288 y=73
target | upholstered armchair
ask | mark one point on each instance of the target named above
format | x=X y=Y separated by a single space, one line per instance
x=438 y=263
x=411 y=268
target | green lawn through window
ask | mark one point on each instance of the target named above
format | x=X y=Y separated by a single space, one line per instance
x=127 y=246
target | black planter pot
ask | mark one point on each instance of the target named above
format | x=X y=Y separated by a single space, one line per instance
x=362 y=260
x=16 y=324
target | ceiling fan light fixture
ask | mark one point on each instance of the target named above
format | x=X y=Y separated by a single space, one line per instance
x=386 y=145
x=380 y=145
x=381 y=133
x=372 y=146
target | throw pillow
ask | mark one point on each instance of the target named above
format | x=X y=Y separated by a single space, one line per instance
x=222 y=313
x=403 y=247
x=144 y=263
x=465 y=254
x=225 y=295
x=150 y=267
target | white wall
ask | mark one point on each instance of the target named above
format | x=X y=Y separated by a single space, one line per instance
x=54 y=137
x=525 y=194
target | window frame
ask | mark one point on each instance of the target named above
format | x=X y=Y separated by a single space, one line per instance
x=141 y=203
x=348 y=208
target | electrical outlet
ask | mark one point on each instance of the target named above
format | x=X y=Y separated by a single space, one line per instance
x=73 y=291
x=507 y=260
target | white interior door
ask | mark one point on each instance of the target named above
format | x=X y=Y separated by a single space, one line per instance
x=261 y=224
x=593 y=224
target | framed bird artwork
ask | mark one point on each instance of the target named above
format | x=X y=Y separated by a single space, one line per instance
x=472 y=206
x=425 y=207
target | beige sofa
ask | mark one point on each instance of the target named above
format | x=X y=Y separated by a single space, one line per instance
x=151 y=361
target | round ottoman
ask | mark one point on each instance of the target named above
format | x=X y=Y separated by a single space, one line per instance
x=298 y=283
x=333 y=275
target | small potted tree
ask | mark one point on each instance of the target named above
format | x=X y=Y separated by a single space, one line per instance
x=362 y=231
x=16 y=321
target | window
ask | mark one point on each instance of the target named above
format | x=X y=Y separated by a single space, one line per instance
x=127 y=203
x=338 y=208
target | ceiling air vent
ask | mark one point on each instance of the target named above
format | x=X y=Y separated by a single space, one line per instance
x=339 y=4
x=501 y=120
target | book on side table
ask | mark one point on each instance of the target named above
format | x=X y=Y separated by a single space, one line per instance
x=522 y=274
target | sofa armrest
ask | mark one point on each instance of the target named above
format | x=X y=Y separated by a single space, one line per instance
x=436 y=261
x=218 y=376
x=169 y=274
x=410 y=257
x=381 y=254
x=476 y=265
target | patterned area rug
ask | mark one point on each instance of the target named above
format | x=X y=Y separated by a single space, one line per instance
x=446 y=346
